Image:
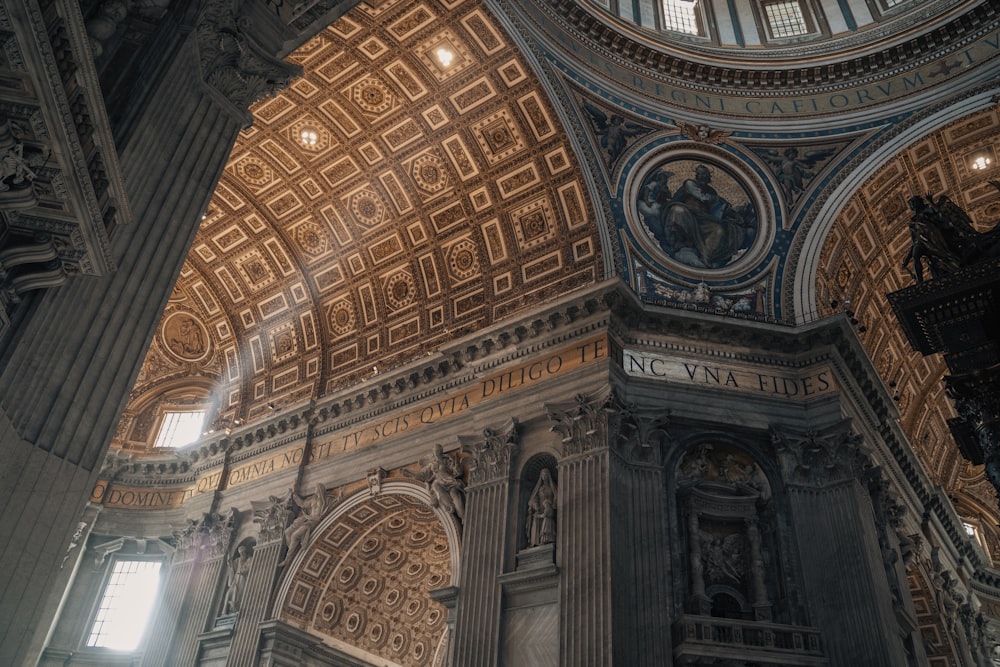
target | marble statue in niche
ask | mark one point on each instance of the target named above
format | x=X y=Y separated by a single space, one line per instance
x=708 y=222
x=236 y=579
x=541 y=519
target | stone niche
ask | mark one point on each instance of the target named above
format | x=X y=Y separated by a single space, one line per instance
x=723 y=495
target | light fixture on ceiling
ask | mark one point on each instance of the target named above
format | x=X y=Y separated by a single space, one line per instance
x=308 y=136
x=981 y=162
x=444 y=56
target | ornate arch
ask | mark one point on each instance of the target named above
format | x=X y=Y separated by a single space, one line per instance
x=363 y=582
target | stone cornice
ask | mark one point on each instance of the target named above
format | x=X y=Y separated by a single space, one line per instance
x=459 y=360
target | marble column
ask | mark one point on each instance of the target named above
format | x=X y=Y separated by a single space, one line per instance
x=846 y=590
x=68 y=368
x=484 y=529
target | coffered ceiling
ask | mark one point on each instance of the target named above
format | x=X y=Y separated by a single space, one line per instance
x=413 y=186
x=417 y=185
x=862 y=261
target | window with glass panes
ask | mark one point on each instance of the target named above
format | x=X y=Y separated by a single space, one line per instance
x=786 y=19
x=126 y=604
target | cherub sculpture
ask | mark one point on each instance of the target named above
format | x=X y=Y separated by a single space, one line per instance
x=792 y=169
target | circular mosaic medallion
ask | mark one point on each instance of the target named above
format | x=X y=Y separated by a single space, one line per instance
x=696 y=211
x=185 y=337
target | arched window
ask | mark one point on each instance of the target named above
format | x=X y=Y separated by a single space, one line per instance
x=172 y=417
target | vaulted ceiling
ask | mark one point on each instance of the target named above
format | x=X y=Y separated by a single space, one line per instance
x=385 y=202
x=416 y=184
x=862 y=261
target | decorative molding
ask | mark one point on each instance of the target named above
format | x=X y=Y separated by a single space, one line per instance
x=231 y=61
x=593 y=30
x=817 y=458
x=583 y=424
x=271 y=517
x=490 y=456
x=207 y=537
x=641 y=433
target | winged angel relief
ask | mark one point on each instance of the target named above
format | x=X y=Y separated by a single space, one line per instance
x=793 y=169
x=614 y=131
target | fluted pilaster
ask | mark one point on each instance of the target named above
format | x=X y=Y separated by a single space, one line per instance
x=254 y=606
x=640 y=590
x=164 y=625
x=67 y=370
x=847 y=593
x=477 y=626
x=196 y=614
x=641 y=587
x=584 y=531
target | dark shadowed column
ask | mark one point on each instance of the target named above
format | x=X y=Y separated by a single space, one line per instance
x=71 y=364
x=847 y=592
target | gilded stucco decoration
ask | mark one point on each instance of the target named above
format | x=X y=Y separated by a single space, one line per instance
x=363 y=583
x=412 y=186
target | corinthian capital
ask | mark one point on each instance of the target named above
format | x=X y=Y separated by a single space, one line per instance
x=815 y=458
x=641 y=433
x=232 y=62
x=583 y=423
x=490 y=455
x=271 y=517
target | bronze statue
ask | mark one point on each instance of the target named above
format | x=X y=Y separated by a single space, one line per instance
x=943 y=237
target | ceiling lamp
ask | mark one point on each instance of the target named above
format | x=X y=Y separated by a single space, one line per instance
x=309 y=137
x=981 y=162
x=444 y=56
